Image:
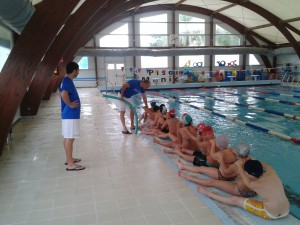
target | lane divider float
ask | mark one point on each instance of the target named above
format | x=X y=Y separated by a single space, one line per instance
x=260 y=98
x=289 y=116
x=251 y=125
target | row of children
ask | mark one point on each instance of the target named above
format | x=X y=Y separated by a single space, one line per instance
x=230 y=169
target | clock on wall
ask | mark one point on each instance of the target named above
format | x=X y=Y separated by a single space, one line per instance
x=174 y=39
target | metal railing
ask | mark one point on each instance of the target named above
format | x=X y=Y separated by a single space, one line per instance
x=287 y=77
x=112 y=86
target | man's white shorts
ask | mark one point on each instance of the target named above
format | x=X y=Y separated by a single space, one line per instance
x=70 y=128
x=123 y=105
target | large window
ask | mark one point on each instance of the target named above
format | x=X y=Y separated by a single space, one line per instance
x=225 y=38
x=116 y=38
x=154 y=62
x=191 y=60
x=153 y=31
x=191 y=31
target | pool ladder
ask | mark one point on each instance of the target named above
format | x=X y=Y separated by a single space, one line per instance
x=112 y=86
x=287 y=76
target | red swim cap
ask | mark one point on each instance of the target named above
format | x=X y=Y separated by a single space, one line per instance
x=207 y=130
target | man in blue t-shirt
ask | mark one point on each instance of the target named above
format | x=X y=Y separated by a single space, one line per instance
x=70 y=114
x=129 y=89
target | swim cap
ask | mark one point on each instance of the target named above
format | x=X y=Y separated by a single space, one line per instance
x=163 y=109
x=172 y=113
x=222 y=141
x=187 y=120
x=243 y=149
x=155 y=108
x=153 y=103
x=184 y=115
x=207 y=130
x=254 y=168
x=200 y=127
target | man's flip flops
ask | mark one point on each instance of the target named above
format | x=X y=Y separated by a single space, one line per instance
x=126 y=132
x=76 y=168
x=74 y=161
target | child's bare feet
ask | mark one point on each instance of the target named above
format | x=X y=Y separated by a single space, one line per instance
x=202 y=190
x=179 y=164
x=184 y=175
x=166 y=151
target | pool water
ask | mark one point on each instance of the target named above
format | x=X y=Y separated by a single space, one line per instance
x=282 y=155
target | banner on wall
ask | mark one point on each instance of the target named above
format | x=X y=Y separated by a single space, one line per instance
x=153 y=75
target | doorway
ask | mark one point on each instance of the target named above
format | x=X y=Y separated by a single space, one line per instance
x=115 y=73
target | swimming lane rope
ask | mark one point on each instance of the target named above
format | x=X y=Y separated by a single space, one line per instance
x=136 y=120
x=243 y=105
x=267 y=93
x=260 y=98
x=276 y=134
x=279 y=89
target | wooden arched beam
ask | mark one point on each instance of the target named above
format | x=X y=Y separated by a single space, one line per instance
x=31 y=101
x=276 y=21
x=25 y=56
x=96 y=23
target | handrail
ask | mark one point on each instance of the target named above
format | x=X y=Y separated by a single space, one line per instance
x=131 y=107
x=111 y=85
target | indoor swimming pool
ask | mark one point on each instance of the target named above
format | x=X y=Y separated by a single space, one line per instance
x=265 y=117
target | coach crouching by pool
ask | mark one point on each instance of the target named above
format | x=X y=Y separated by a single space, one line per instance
x=129 y=89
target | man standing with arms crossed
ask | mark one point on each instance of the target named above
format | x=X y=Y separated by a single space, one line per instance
x=70 y=114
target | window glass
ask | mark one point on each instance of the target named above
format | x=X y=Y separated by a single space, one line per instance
x=121 y=30
x=191 y=40
x=191 y=31
x=153 y=28
x=83 y=63
x=157 y=18
x=154 y=31
x=119 y=66
x=253 y=60
x=6 y=41
x=154 y=41
x=154 y=62
x=188 y=18
x=110 y=66
x=191 y=60
x=4 y=53
x=225 y=38
x=231 y=59
x=116 y=38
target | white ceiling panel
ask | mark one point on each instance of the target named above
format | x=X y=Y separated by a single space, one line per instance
x=296 y=36
x=215 y=4
x=244 y=16
x=296 y=24
x=198 y=3
x=284 y=9
x=272 y=34
x=160 y=2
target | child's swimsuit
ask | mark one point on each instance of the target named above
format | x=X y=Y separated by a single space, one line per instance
x=258 y=208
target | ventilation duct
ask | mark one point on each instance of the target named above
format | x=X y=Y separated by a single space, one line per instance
x=172 y=51
x=284 y=51
x=16 y=13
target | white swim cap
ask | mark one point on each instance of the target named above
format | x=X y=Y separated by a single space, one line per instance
x=222 y=141
x=243 y=149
